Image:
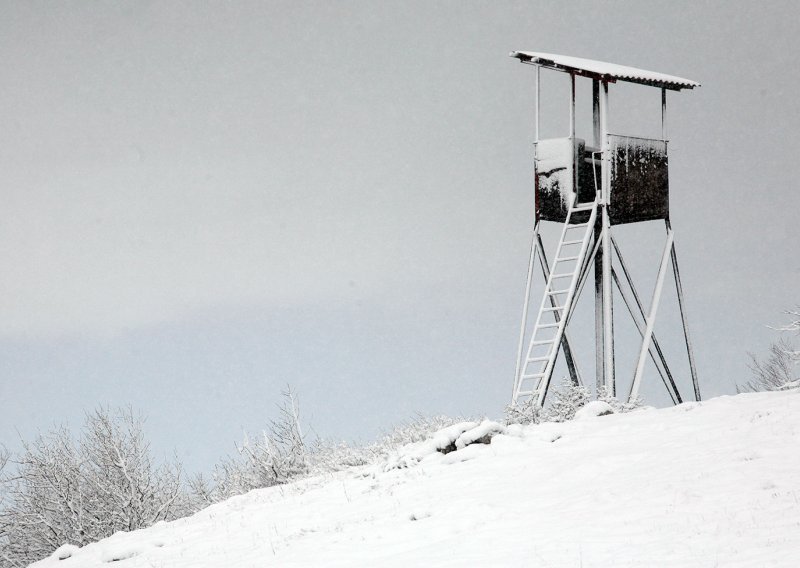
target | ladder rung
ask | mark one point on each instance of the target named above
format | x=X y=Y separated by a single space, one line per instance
x=556 y=292
x=534 y=359
x=552 y=308
x=578 y=242
x=577 y=225
x=533 y=376
x=544 y=325
x=584 y=207
x=566 y=258
x=564 y=275
x=543 y=342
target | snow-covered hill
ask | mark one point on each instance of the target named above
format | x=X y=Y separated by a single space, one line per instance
x=709 y=484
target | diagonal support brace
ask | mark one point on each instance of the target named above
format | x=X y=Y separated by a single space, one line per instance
x=651 y=318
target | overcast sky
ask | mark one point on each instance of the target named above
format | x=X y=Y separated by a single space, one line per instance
x=203 y=202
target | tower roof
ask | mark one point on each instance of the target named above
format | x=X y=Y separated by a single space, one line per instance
x=604 y=71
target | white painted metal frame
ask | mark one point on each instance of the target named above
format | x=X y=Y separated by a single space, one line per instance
x=597 y=231
x=546 y=361
x=682 y=308
x=607 y=299
x=572 y=365
x=666 y=376
x=651 y=318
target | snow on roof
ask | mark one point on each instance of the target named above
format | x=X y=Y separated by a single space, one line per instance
x=605 y=71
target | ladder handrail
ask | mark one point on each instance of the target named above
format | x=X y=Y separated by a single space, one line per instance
x=548 y=370
x=544 y=375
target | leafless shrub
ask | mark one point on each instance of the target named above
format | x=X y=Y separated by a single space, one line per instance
x=67 y=491
x=774 y=371
x=566 y=401
x=278 y=454
x=327 y=456
x=282 y=453
x=527 y=412
x=777 y=370
x=618 y=406
x=419 y=428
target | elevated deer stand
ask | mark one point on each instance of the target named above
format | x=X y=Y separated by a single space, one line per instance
x=588 y=190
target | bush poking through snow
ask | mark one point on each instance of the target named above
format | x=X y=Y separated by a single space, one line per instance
x=619 y=406
x=450 y=439
x=780 y=368
x=418 y=429
x=275 y=456
x=567 y=401
x=281 y=453
x=441 y=441
x=80 y=491
x=527 y=412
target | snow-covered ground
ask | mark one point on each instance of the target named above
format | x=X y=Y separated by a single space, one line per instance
x=709 y=484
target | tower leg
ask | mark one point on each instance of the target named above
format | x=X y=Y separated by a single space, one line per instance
x=599 y=361
x=651 y=318
x=598 y=257
x=669 y=381
x=608 y=309
x=524 y=323
x=689 y=351
x=605 y=293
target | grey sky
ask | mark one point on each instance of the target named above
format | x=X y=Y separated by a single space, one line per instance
x=204 y=202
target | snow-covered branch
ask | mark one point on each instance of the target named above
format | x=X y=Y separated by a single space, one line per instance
x=64 y=490
x=780 y=368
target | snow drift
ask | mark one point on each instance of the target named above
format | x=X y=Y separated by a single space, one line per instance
x=701 y=484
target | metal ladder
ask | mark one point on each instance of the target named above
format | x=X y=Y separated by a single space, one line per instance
x=537 y=368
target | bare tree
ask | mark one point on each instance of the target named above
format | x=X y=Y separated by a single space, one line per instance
x=277 y=455
x=67 y=491
x=793 y=325
x=778 y=370
x=44 y=499
x=129 y=490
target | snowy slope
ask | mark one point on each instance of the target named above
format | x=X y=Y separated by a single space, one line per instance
x=709 y=484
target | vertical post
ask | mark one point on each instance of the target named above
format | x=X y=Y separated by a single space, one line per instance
x=606 y=163
x=607 y=298
x=572 y=107
x=596 y=113
x=536 y=106
x=663 y=113
x=524 y=323
x=575 y=157
x=598 y=262
x=651 y=318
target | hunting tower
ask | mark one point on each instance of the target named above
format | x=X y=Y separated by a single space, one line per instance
x=588 y=190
